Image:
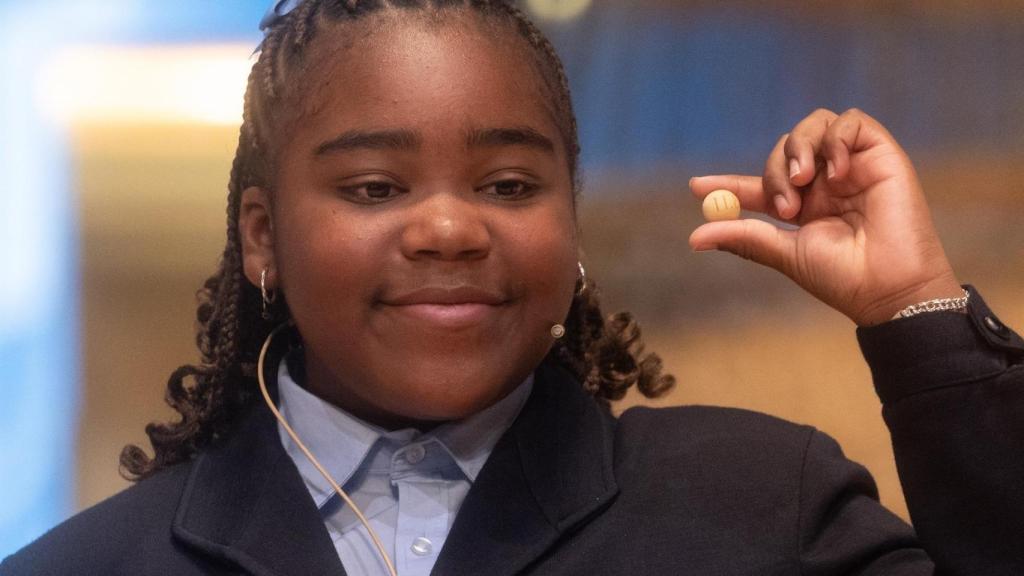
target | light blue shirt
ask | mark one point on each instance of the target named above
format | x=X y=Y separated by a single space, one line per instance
x=409 y=485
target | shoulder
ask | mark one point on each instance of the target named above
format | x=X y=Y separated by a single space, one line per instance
x=708 y=427
x=738 y=467
x=713 y=445
x=733 y=449
x=99 y=539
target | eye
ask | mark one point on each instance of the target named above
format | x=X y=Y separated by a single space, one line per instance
x=372 y=192
x=510 y=189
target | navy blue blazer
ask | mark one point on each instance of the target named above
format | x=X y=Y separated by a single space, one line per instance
x=570 y=489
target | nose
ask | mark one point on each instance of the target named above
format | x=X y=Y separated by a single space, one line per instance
x=445 y=226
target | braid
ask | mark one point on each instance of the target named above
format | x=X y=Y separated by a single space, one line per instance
x=604 y=354
x=229 y=321
x=540 y=43
x=304 y=23
x=267 y=49
x=607 y=356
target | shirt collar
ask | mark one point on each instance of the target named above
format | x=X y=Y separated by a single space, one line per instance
x=338 y=440
x=471 y=439
x=341 y=442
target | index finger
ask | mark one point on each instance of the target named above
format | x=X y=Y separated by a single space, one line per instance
x=749 y=189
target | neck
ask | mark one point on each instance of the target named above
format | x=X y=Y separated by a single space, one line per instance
x=318 y=381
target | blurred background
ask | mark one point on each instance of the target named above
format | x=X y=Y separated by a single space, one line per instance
x=118 y=122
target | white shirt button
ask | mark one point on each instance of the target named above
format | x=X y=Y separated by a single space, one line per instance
x=421 y=546
x=414 y=454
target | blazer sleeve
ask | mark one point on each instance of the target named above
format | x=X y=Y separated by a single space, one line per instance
x=842 y=527
x=952 y=389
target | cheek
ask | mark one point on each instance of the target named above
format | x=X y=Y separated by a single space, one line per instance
x=542 y=252
x=328 y=263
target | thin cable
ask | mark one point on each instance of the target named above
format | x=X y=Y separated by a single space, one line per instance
x=295 y=438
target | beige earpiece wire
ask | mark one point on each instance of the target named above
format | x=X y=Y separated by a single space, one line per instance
x=298 y=442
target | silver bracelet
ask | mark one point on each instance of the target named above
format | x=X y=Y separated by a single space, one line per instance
x=937 y=305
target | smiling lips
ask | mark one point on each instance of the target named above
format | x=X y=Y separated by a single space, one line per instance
x=447 y=307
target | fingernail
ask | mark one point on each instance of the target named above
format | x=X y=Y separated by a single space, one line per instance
x=705 y=247
x=831 y=169
x=794 y=168
x=781 y=204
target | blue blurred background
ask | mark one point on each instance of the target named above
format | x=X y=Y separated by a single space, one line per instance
x=111 y=217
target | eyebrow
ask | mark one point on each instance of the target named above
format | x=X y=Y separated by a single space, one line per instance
x=372 y=140
x=402 y=139
x=518 y=136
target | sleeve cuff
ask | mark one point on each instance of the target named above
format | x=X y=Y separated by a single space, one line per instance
x=938 y=349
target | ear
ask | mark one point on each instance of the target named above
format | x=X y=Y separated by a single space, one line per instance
x=256 y=232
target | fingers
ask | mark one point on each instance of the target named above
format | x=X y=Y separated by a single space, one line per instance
x=793 y=164
x=818 y=148
x=747 y=188
x=825 y=138
x=863 y=228
x=852 y=132
x=803 y=147
x=755 y=240
x=790 y=166
x=784 y=196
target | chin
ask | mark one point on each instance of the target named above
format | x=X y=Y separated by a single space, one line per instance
x=457 y=379
x=452 y=393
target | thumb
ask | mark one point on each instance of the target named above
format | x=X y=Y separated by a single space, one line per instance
x=751 y=239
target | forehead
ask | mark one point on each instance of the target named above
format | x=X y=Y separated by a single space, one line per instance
x=451 y=69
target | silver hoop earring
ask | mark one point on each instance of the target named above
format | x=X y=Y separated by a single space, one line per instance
x=582 y=280
x=269 y=296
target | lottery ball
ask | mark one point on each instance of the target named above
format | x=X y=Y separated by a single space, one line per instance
x=721 y=205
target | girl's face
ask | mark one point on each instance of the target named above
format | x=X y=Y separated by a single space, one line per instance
x=422 y=225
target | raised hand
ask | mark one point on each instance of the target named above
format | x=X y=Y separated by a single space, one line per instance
x=865 y=245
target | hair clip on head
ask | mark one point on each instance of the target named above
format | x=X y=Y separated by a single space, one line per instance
x=278 y=10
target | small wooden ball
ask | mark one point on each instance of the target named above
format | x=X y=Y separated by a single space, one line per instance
x=721 y=205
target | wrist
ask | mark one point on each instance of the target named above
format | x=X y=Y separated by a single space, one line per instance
x=917 y=300
x=957 y=305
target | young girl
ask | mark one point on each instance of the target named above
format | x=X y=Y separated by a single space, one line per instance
x=402 y=247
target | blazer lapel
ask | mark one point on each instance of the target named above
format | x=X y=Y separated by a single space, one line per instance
x=551 y=471
x=246 y=503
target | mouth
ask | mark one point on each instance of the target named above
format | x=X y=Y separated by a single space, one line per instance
x=446 y=307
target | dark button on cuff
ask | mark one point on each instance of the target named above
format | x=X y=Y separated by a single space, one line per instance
x=997 y=327
x=989 y=327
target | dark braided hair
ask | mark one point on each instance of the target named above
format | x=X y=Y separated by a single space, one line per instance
x=605 y=355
